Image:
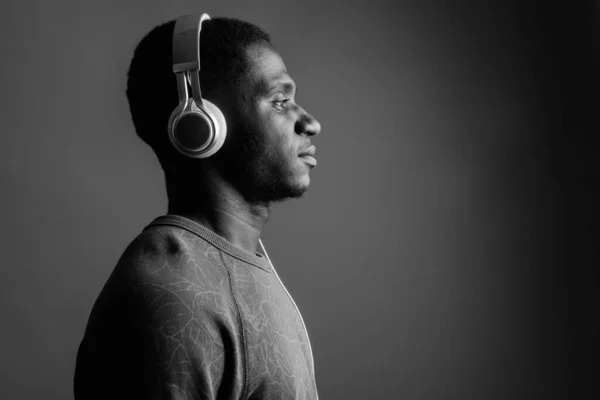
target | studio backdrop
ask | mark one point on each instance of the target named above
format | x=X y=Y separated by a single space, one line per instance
x=426 y=257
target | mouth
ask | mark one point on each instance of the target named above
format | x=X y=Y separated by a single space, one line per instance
x=308 y=156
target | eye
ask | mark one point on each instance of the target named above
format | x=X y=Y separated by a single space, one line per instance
x=281 y=104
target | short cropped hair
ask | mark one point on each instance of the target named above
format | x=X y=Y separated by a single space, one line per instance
x=151 y=83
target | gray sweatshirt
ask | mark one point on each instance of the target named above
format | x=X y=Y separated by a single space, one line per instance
x=187 y=315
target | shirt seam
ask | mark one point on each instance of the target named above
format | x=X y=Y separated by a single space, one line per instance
x=241 y=328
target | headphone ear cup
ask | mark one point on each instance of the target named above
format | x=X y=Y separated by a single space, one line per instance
x=197 y=132
x=190 y=129
x=193 y=132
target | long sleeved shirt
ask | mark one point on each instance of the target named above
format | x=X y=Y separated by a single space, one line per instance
x=186 y=314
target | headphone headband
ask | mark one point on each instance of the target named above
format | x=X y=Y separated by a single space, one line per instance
x=186 y=42
x=197 y=127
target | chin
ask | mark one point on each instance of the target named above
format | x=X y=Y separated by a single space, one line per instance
x=304 y=182
x=291 y=190
x=277 y=186
x=298 y=192
x=302 y=185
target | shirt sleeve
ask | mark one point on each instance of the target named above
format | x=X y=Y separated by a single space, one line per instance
x=166 y=338
x=187 y=345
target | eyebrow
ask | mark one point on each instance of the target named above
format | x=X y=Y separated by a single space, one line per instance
x=287 y=87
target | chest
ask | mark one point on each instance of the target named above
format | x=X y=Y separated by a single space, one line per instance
x=279 y=359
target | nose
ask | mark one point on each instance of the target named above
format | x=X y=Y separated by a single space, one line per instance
x=307 y=125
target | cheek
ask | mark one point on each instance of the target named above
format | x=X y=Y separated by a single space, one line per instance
x=278 y=133
x=275 y=132
x=280 y=151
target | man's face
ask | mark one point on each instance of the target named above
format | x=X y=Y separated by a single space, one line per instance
x=269 y=155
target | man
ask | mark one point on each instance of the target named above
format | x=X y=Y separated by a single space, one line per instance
x=194 y=308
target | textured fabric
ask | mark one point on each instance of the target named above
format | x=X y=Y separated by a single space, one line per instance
x=187 y=315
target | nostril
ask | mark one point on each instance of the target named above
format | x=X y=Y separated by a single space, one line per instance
x=307 y=125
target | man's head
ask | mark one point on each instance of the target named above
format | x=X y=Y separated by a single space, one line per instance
x=246 y=78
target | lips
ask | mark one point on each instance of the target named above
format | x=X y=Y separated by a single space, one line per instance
x=308 y=156
x=308 y=152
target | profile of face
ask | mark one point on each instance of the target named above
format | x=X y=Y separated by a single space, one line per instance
x=268 y=154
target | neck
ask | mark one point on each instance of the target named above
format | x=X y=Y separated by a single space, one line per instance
x=217 y=205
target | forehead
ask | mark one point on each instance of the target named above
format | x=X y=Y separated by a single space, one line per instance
x=266 y=68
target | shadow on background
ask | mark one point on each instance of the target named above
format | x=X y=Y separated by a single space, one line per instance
x=446 y=249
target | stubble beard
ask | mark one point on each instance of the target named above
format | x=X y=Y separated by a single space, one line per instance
x=258 y=172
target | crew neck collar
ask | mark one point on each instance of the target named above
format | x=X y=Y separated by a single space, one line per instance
x=258 y=260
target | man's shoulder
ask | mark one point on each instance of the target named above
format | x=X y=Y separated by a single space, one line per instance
x=165 y=262
x=164 y=305
x=166 y=271
x=164 y=253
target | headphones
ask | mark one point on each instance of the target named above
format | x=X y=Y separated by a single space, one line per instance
x=197 y=127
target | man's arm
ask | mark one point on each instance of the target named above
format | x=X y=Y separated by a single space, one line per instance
x=167 y=337
x=187 y=347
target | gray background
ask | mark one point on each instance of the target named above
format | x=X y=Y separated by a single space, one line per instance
x=425 y=257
